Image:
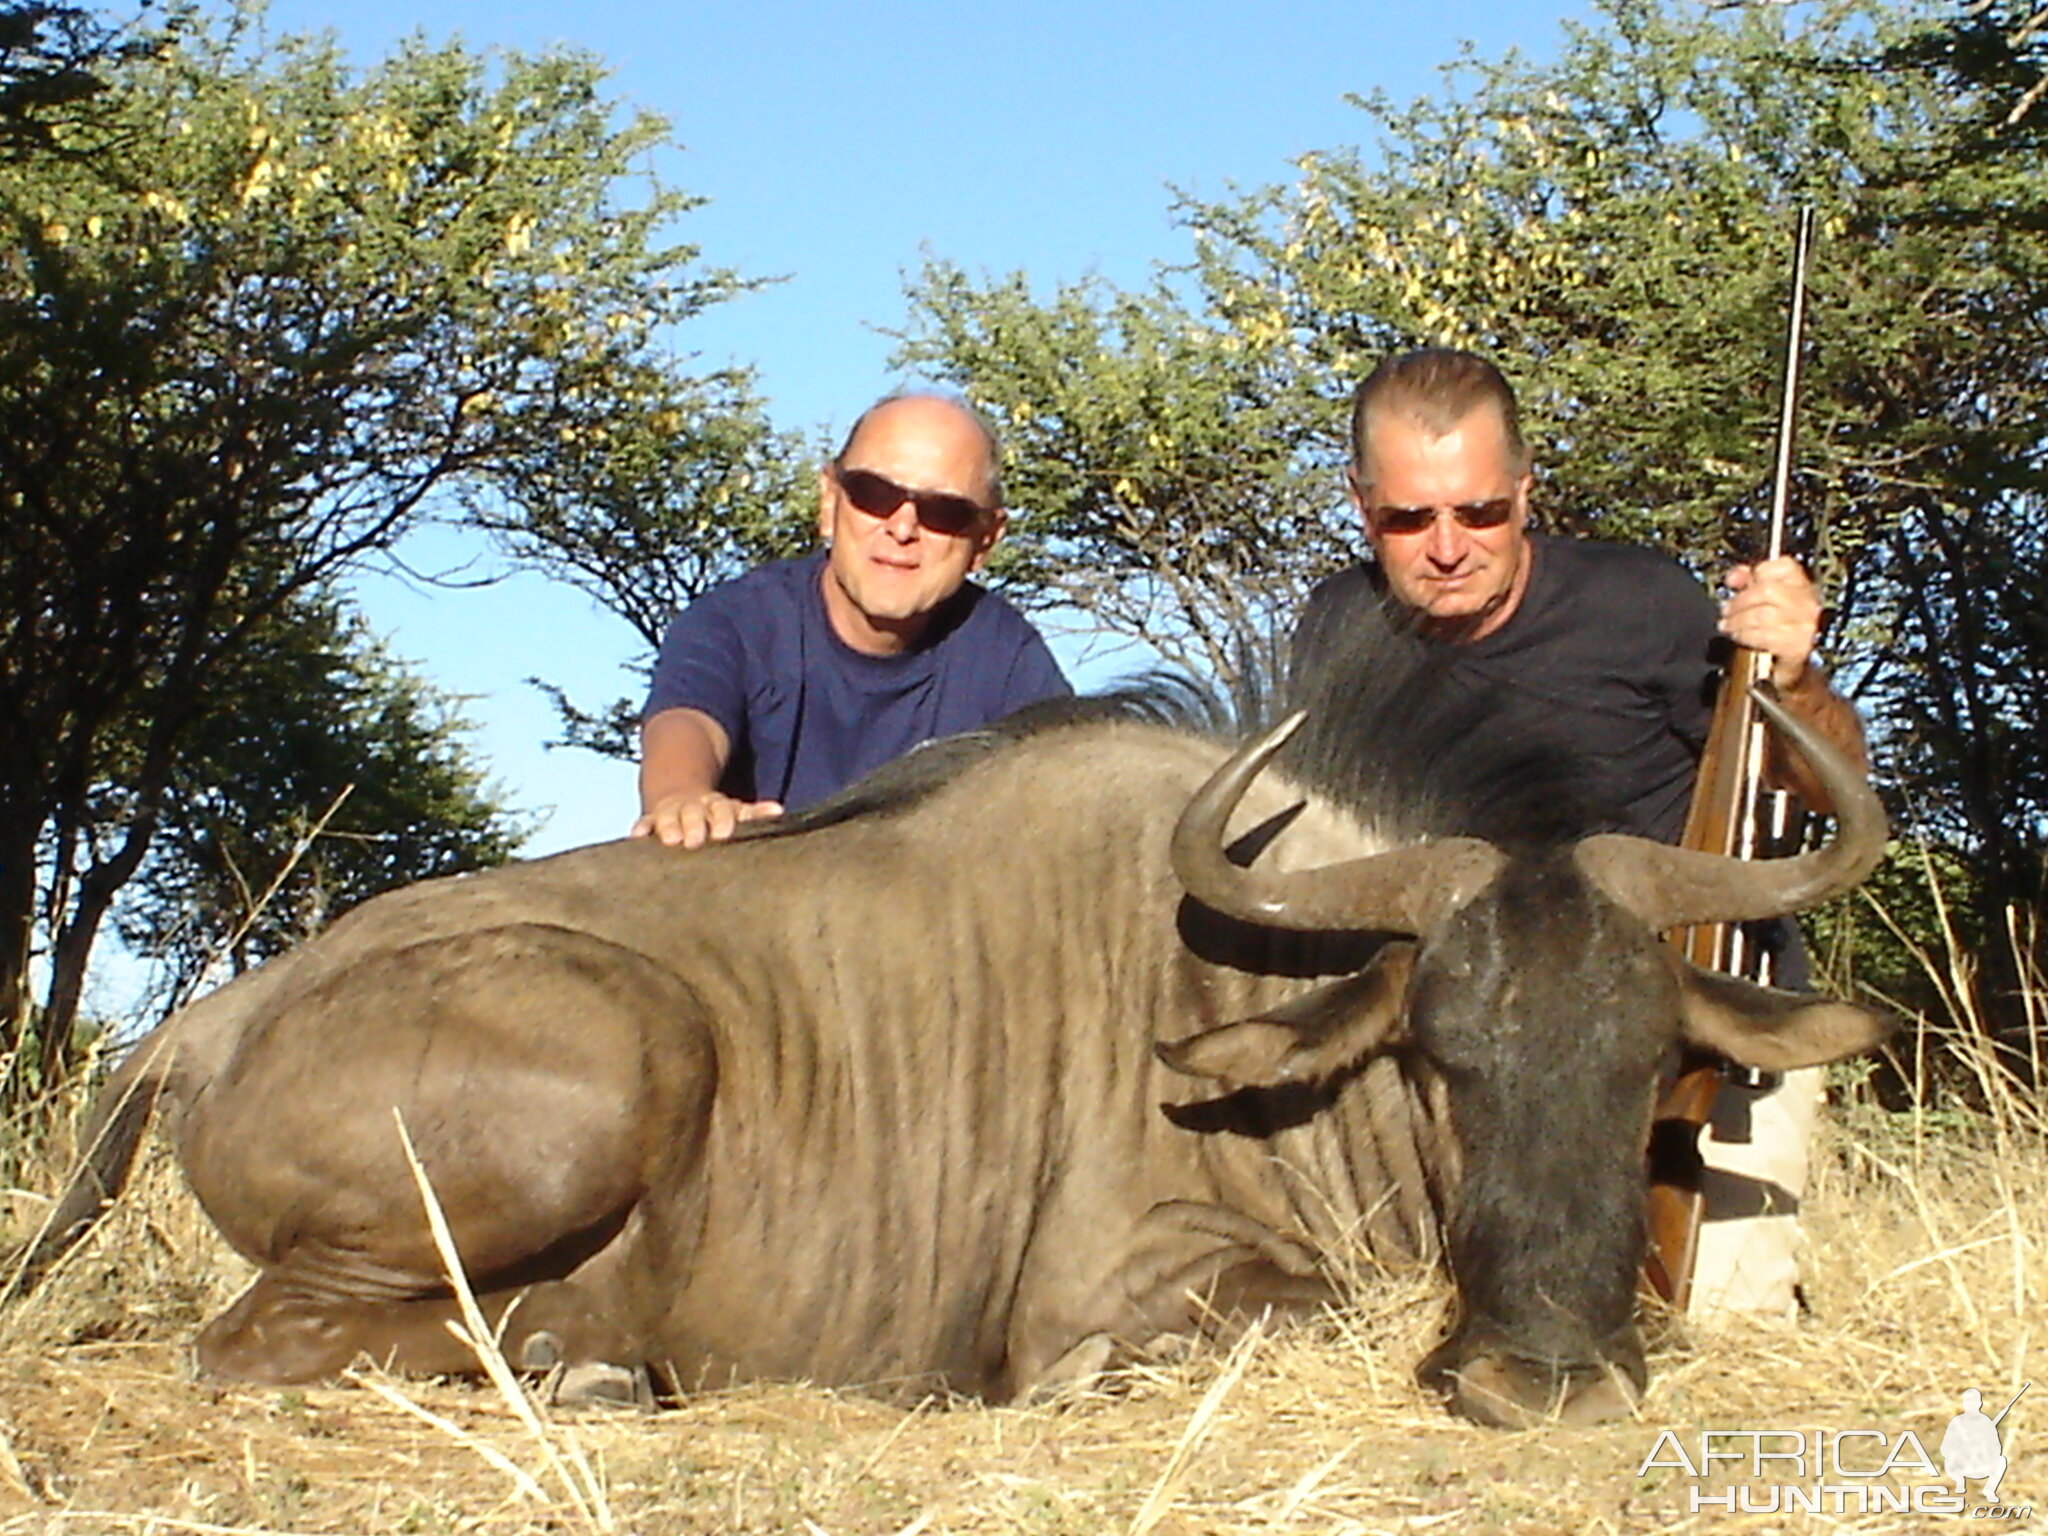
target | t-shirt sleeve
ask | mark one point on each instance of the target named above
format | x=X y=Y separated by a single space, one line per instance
x=1688 y=618
x=1035 y=675
x=703 y=665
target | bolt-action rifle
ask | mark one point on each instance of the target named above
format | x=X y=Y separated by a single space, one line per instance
x=1731 y=814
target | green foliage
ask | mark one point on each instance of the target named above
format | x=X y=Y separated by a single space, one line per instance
x=53 y=65
x=1615 y=228
x=1967 y=558
x=1899 y=939
x=1154 y=458
x=645 y=500
x=282 y=312
x=320 y=774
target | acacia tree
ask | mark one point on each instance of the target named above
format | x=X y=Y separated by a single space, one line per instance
x=283 y=314
x=1968 y=555
x=1613 y=226
x=319 y=773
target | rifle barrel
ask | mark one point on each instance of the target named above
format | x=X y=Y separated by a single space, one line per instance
x=2008 y=1407
x=1788 y=403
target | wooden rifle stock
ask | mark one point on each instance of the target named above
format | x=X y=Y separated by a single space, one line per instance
x=1726 y=817
x=1718 y=821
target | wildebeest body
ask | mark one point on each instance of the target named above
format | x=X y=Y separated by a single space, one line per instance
x=980 y=1087
x=828 y=1106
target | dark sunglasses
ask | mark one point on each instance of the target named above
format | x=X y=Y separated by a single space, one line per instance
x=1472 y=514
x=879 y=496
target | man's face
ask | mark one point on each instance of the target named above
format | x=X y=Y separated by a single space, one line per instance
x=1441 y=566
x=889 y=567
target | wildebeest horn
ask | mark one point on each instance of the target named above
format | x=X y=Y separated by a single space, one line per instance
x=1673 y=887
x=1406 y=890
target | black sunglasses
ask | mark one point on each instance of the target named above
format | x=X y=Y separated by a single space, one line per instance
x=879 y=496
x=1471 y=514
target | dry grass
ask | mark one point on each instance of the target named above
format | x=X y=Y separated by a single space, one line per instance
x=1928 y=1278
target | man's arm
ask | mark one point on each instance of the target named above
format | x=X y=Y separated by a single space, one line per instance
x=682 y=754
x=1775 y=609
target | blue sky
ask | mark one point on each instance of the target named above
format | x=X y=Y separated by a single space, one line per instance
x=839 y=145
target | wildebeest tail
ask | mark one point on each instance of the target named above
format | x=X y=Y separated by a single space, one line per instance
x=110 y=1138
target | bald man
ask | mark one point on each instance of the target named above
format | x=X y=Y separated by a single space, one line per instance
x=778 y=688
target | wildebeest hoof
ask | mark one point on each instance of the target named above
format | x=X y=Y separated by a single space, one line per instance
x=599 y=1384
x=1081 y=1366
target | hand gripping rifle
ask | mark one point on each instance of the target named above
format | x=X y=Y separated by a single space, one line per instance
x=1731 y=814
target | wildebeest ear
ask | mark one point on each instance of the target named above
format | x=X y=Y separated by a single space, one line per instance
x=1307 y=1037
x=1769 y=1029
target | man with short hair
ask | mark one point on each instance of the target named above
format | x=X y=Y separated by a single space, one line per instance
x=782 y=686
x=1602 y=649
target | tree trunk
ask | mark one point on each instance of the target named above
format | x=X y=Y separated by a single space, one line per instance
x=72 y=951
x=17 y=940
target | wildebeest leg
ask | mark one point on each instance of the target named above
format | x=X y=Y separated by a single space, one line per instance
x=547 y=1081
x=278 y=1332
x=275 y=1334
x=1188 y=1267
x=282 y=1330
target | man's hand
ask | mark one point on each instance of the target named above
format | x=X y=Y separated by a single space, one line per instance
x=1774 y=608
x=691 y=821
x=682 y=754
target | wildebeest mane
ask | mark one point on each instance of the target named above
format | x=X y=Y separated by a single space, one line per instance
x=1155 y=698
x=1412 y=745
x=1404 y=736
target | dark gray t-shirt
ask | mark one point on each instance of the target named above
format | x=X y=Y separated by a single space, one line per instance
x=1608 y=658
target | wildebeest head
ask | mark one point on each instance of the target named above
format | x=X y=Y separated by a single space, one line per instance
x=1535 y=986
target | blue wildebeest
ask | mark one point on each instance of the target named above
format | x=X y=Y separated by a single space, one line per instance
x=1045 y=1044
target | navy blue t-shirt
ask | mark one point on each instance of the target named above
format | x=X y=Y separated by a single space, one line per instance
x=806 y=714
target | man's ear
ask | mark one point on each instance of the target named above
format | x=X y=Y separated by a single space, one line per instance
x=1522 y=488
x=828 y=504
x=1355 y=494
x=985 y=537
x=1353 y=491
